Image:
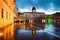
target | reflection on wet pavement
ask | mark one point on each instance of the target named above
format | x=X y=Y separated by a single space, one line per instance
x=7 y=32
x=22 y=31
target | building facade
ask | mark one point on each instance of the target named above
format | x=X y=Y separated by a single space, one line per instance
x=32 y=15
x=7 y=12
x=32 y=18
x=56 y=18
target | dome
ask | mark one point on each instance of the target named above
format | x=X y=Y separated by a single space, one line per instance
x=33 y=8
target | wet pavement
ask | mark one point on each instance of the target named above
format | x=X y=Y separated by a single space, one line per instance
x=21 y=31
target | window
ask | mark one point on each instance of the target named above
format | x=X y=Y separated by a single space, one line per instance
x=2 y=13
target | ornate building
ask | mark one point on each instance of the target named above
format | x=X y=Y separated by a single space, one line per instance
x=32 y=18
x=32 y=15
x=7 y=12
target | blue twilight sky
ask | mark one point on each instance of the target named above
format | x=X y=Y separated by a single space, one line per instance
x=47 y=6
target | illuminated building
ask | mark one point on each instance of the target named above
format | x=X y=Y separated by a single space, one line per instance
x=32 y=18
x=32 y=15
x=56 y=17
x=7 y=12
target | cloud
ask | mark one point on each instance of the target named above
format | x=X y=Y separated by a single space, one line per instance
x=47 y=6
x=24 y=10
x=30 y=3
x=38 y=3
x=37 y=10
x=49 y=11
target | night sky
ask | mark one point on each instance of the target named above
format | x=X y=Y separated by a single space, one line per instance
x=47 y=6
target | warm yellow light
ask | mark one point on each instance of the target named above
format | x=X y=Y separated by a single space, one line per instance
x=43 y=20
x=29 y=21
x=1 y=34
x=33 y=32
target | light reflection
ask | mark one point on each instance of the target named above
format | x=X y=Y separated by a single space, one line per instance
x=8 y=32
x=23 y=31
x=33 y=31
x=49 y=28
x=39 y=30
x=52 y=30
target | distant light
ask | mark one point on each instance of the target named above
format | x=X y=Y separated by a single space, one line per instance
x=43 y=20
x=48 y=20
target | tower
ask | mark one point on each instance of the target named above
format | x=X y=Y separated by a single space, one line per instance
x=33 y=9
